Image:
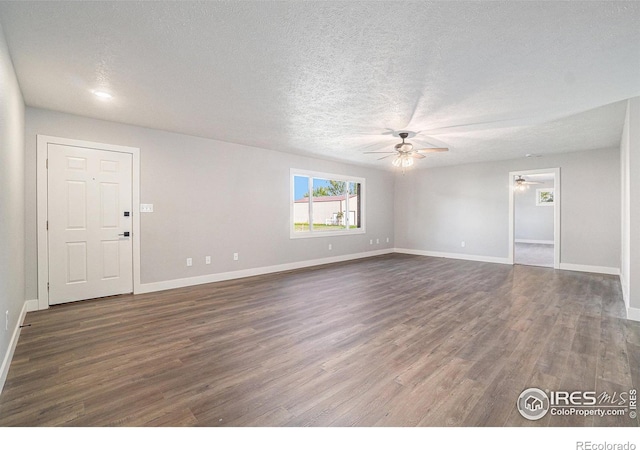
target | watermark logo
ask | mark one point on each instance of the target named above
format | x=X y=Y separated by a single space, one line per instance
x=533 y=404
x=588 y=445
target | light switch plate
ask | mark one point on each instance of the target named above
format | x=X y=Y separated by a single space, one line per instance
x=146 y=207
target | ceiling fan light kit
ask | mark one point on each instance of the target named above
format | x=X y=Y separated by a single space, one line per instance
x=405 y=154
x=521 y=187
x=403 y=161
x=520 y=184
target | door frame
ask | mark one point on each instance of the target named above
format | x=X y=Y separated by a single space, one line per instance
x=556 y=212
x=42 y=190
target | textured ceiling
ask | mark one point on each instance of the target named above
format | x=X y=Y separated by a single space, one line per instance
x=490 y=80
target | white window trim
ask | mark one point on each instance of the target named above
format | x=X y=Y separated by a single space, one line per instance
x=327 y=176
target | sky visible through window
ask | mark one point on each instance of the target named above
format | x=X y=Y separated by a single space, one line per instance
x=301 y=186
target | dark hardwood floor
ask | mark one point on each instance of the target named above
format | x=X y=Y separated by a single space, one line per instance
x=395 y=340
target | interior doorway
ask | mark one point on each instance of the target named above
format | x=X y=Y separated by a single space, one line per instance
x=535 y=218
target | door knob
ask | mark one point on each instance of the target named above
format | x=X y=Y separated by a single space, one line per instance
x=125 y=234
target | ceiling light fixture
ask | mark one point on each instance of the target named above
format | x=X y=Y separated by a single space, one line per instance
x=521 y=187
x=520 y=184
x=102 y=95
x=403 y=161
x=404 y=153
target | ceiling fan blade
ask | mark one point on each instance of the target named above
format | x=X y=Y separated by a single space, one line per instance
x=388 y=156
x=530 y=182
x=432 y=150
x=378 y=152
x=417 y=155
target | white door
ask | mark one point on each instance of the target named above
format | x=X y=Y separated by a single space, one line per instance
x=89 y=223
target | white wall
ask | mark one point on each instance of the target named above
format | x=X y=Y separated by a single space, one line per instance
x=630 y=227
x=438 y=208
x=533 y=222
x=196 y=185
x=12 y=298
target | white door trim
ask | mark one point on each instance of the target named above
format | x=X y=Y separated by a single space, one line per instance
x=556 y=212
x=42 y=207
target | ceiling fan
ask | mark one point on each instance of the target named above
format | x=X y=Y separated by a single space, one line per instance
x=521 y=184
x=405 y=154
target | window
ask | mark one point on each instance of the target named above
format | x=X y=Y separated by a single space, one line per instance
x=326 y=204
x=544 y=197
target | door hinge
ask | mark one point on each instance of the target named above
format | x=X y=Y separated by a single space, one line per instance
x=47 y=163
x=47 y=225
x=47 y=286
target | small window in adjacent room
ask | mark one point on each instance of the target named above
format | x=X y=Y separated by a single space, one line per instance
x=326 y=204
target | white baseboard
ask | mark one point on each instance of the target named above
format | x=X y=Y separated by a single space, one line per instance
x=499 y=260
x=625 y=289
x=28 y=306
x=633 y=314
x=215 y=277
x=591 y=269
x=31 y=305
x=533 y=241
x=490 y=259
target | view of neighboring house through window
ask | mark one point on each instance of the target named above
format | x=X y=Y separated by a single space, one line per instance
x=324 y=204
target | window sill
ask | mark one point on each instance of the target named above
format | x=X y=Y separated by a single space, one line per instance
x=317 y=234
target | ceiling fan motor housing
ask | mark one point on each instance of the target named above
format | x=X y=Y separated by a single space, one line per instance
x=404 y=147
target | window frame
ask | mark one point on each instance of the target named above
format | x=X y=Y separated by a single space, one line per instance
x=311 y=174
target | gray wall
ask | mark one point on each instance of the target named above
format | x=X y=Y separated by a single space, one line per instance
x=11 y=198
x=532 y=222
x=437 y=208
x=210 y=198
x=630 y=182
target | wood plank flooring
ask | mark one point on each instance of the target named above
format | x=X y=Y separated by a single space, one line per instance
x=395 y=340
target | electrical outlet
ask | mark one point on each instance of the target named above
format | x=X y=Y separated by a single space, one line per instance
x=370 y=241
x=387 y=240
x=189 y=262
x=207 y=259
x=463 y=243
x=235 y=257
x=330 y=247
x=377 y=241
